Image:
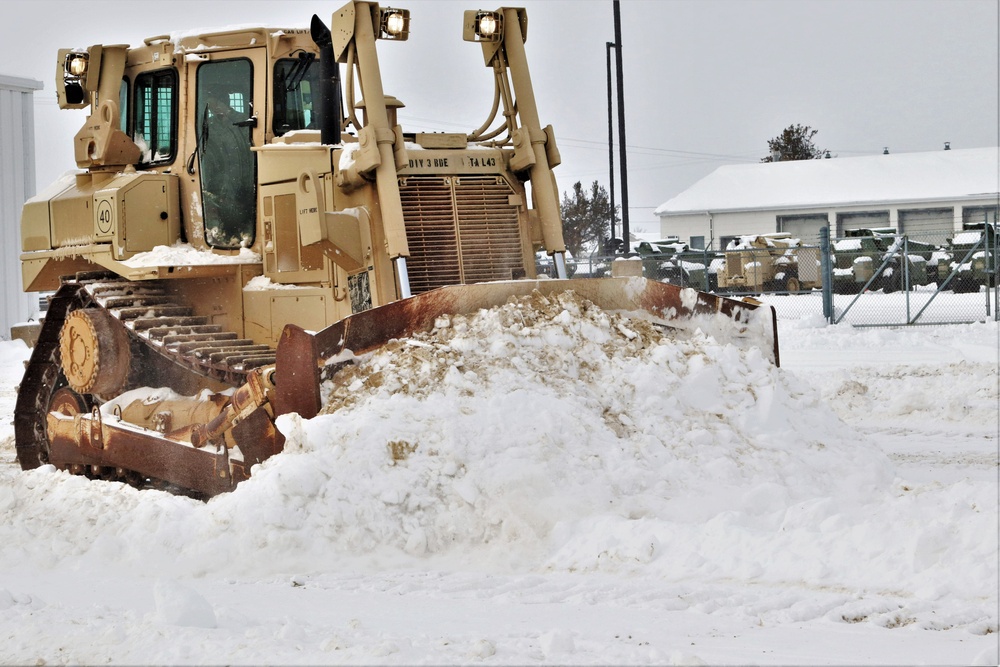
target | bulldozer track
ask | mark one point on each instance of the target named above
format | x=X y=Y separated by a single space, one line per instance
x=170 y=346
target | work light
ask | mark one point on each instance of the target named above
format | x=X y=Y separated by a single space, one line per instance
x=394 y=24
x=483 y=26
x=76 y=64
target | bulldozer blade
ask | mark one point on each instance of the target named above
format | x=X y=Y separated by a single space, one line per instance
x=84 y=440
x=301 y=355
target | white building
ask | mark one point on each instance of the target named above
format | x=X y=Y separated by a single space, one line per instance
x=928 y=196
x=17 y=183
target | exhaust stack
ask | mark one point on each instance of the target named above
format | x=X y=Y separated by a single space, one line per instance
x=329 y=84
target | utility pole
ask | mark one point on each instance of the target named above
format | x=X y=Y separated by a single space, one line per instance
x=611 y=142
x=621 y=125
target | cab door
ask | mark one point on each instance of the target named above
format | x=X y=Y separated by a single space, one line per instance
x=226 y=127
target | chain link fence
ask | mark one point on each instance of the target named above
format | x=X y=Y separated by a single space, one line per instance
x=867 y=278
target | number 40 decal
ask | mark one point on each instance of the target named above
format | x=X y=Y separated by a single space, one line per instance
x=105 y=217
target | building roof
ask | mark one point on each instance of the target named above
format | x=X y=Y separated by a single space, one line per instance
x=972 y=173
x=19 y=84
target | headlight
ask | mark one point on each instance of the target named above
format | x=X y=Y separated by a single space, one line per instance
x=76 y=64
x=394 y=24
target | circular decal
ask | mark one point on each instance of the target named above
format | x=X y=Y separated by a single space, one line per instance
x=105 y=217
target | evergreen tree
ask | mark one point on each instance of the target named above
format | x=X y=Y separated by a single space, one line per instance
x=794 y=143
x=586 y=218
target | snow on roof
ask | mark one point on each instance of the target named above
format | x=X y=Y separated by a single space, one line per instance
x=19 y=83
x=930 y=176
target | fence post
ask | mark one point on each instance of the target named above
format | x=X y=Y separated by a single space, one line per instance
x=988 y=264
x=708 y=283
x=826 y=269
x=996 y=274
x=906 y=274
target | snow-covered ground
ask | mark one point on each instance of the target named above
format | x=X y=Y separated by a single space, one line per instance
x=563 y=488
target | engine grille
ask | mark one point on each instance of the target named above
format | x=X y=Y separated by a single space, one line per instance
x=734 y=263
x=460 y=230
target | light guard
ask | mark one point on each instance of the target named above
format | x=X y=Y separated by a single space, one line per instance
x=482 y=26
x=394 y=24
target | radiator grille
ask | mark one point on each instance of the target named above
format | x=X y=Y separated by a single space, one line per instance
x=734 y=263
x=460 y=230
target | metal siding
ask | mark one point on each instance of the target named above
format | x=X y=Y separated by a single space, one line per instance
x=17 y=183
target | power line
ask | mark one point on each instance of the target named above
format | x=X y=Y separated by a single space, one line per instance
x=589 y=144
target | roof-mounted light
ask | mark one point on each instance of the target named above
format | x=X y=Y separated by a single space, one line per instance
x=394 y=23
x=76 y=64
x=483 y=26
x=72 y=85
x=487 y=26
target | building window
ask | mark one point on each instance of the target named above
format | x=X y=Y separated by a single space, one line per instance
x=697 y=242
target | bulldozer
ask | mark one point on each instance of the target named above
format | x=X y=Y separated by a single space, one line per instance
x=247 y=212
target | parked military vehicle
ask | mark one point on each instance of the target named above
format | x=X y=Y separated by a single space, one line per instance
x=769 y=262
x=972 y=254
x=672 y=261
x=881 y=259
x=240 y=221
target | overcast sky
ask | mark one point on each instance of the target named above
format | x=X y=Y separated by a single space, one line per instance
x=707 y=82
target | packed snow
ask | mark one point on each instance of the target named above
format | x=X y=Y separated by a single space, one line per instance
x=549 y=483
x=184 y=254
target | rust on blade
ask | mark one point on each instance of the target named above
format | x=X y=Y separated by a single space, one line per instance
x=296 y=377
x=83 y=440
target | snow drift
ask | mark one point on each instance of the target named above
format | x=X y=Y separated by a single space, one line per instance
x=549 y=435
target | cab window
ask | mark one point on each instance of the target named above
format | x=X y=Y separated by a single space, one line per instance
x=296 y=81
x=155 y=129
x=123 y=106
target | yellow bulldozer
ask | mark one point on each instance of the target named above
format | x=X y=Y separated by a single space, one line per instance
x=246 y=209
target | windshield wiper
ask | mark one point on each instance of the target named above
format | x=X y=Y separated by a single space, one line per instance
x=298 y=71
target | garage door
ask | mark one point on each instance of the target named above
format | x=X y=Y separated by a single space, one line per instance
x=931 y=225
x=862 y=220
x=803 y=227
x=979 y=214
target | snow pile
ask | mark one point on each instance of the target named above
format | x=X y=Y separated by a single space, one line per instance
x=550 y=436
x=549 y=482
x=492 y=431
x=500 y=428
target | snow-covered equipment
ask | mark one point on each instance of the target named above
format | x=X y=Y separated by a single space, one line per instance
x=241 y=225
x=769 y=262
x=873 y=259
x=971 y=258
x=672 y=261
